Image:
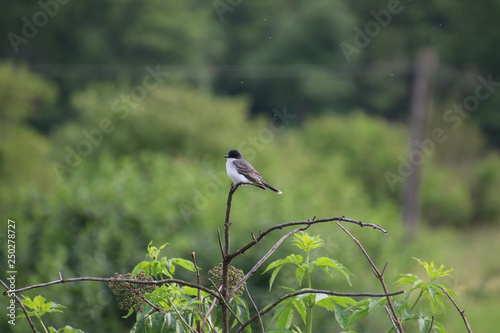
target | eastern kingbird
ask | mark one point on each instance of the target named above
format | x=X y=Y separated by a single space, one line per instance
x=243 y=173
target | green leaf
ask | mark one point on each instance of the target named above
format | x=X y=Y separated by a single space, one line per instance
x=299 y=274
x=186 y=264
x=432 y=272
x=435 y=295
x=273 y=276
x=68 y=329
x=424 y=324
x=363 y=308
x=278 y=263
x=357 y=315
x=39 y=306
x=342 y=316
x=438 y=327
x=130 y=312
x=153 y=251
x=306 y=243
x=142 y=266
x=376 y=303
x=193 y=291
x=286 y=316
x=166 y=267
x=330 y=302
x=242 y=310
x=407 y=279
x=406 y=314
x=325 y=262
x=301 y=308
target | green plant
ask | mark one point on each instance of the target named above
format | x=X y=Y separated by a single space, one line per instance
x=303 y=304
x=163 y=303
x=38 y=306
x=431 y=290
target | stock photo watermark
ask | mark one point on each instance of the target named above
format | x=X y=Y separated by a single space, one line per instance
x=222 y=6
x=120 y=109
x=32 y=25
x=371 y=30
x=11 y=271
x=454 y=117
x=248 y=147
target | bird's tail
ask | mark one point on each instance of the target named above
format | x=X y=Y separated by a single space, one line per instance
x=272 y=188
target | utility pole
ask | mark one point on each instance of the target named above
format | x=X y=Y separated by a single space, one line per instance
x=422 y=91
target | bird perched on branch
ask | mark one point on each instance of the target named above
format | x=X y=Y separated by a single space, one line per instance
x=243 y=173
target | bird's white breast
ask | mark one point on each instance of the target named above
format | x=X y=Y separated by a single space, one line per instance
x=236 y=177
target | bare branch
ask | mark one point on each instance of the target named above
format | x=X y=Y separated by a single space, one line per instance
x=226 y=261
x=313 y=291
x=21 y=304
x=256 y=309
x=430 y=326
x=192 y=330
x=307 y=223
x=225 y=303
x=462 y=312
x=227 y=223
x=101 y=279
x=392 y=319
x=220 y=243
x=380 y=277
x=212 y=305
x=264 y=258
x=198 y=280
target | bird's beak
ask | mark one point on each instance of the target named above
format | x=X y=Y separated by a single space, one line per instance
x=226 y=156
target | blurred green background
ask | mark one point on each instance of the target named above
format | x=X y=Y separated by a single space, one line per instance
x=115 y=116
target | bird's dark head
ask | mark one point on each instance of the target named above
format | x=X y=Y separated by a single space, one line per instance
x=233 y=154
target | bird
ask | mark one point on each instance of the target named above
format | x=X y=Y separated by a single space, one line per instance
x=243 y=173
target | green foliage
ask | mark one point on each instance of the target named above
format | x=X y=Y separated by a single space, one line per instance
x=23 y=93
x=159 y=268
x=157 y=322
x=24 y=96
x=176 y=308
x=158 y=171
x=39 y=306
x=306 y=243
x=484 y=198
x=431 y=290
x=302 y=304
x=65 y=329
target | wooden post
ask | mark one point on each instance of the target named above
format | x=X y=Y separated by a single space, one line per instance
x=423 y=88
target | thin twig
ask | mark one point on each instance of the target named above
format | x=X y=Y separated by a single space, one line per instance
x=392 y=319
x=180 y=316
x=32 y=325
x=256 y=309
x=264 y=258
x=198 y=280
x=101 y=279
x=226 y=261
x=462 y=312
x=379 y=276
x=220 y=243
x=314 y=291
x=226 y=303
x=430 y=326
x=227 y=223
x=308 y=223
x=213 y=303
